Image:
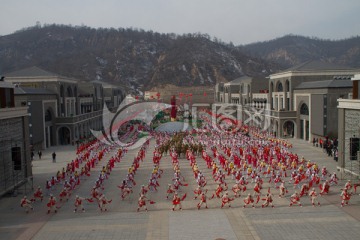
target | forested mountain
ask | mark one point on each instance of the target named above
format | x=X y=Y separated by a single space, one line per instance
x=135 y=58
x=291 y=50
x=142 y=59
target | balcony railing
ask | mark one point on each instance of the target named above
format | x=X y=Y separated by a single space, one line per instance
x=283 y=114
x=78 y=118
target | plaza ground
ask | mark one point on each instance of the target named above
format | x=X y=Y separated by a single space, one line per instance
x=329 y=221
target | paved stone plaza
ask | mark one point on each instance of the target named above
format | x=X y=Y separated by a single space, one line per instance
x=329 y=221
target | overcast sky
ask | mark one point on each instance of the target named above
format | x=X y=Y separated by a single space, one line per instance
x=238 y=21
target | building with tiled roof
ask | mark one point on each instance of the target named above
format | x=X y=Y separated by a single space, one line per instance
x=287 y=117
x=240 y=90
x=349 y=132
x=67 y=109
x=319 y=99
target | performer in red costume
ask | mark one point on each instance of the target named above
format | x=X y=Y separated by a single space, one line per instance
x=52 y=204
x=295 y=199
x=177 y=201
x=226 y=200
x=26 y=203
x=38 y=194
x=142 y=202
x=249 y=200
x=79 y=204
x=268 y=201
x=313 y=197
x=203 y=199
x=325 y=187
x=345 y=197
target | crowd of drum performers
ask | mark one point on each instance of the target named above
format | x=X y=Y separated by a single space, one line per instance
x=248 y=166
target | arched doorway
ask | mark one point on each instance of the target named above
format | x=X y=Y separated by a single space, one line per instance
x=289 y=129
x=49 y=127
x=62 y=101
x=64 y=135
x=304 y=121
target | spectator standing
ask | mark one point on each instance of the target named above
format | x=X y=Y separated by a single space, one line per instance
x=54 y=157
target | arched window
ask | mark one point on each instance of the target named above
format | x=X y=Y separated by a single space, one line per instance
x=287 y=86
x=69 y=92
x=280 y=87
x=304 y=110
x=48 y=116
x=61 y=91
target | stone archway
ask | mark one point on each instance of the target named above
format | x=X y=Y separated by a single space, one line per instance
x=49 y=117
x=289 y=128
x=64 y=135
x=304 y=121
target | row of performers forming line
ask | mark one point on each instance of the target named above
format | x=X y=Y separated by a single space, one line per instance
x=219 y=176
x=303 y=182
x=248 y=157
x=66 y=192
x=70 y=177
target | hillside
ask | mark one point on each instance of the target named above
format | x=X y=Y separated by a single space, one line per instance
x=291 y=50
x=129 y=57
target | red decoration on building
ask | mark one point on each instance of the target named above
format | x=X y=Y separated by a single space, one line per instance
x=173 y=108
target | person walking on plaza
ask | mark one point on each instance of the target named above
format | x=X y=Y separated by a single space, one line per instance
x=53 y=157
x=26 y=203
x=40 y=154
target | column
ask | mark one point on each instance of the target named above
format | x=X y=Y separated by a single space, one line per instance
x=48 y=136
x=285 y=98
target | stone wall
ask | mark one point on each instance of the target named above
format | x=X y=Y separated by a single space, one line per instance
x=352 y=123
x=352 y=128
x=11 y=137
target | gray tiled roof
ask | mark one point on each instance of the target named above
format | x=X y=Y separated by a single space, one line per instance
x=6 y=85
x=316 y=65
x=237 y=80
x=333 y=83
x=31 y=72
x=33 y=91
